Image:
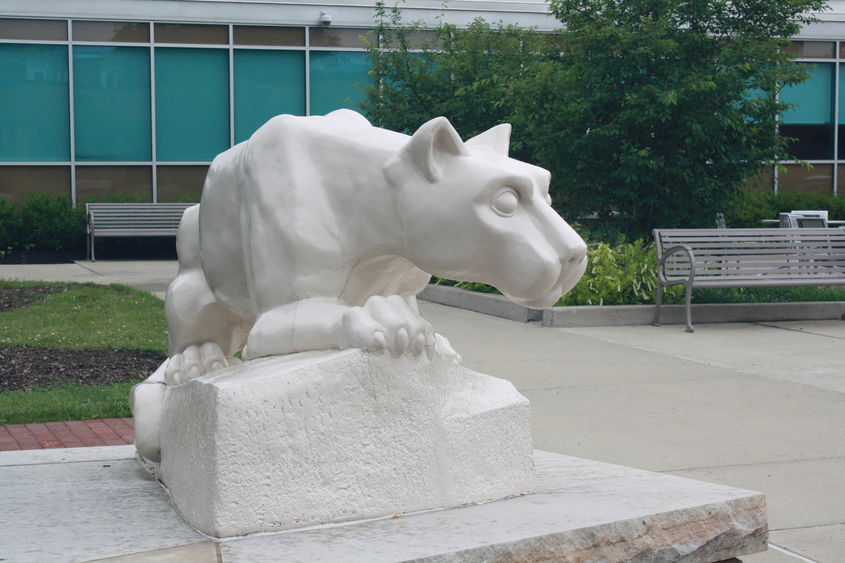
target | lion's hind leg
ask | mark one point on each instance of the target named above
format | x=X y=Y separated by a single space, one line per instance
x=204 y=333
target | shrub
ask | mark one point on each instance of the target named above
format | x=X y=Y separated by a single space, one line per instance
x=8 y=226
x=617 y=274
x=49 y=222
x=114 y=197
x=748 y=208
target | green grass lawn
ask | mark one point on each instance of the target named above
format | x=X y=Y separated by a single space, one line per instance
x=88 y=316
x=65 y=402
x=85 y=316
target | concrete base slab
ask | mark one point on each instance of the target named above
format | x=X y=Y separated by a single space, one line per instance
x=583 y=510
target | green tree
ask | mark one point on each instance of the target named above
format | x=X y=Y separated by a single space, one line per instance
x=467 y=75
x=661 y=108
x=650 y=113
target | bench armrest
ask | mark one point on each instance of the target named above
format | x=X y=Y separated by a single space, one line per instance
x=661 y=272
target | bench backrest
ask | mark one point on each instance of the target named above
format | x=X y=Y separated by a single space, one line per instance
x=161 y=217
x=753 y=253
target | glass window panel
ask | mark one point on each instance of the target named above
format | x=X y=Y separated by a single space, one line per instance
x=811 y=142
x=808 y=121
x=48 y=30
x=267 y=83
x=192 y=103
x=261 y=35
x=17 y=182
x=338 y=37
x=98 y=183
x=813 y=98
x=796 y=178
x=180 y=184
x=813 y=49
x=34 y=121
x=337 y=80
x=123 y=32
x=111 y=100
x=192 y=33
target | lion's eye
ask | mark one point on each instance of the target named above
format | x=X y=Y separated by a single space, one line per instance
x=506 y=202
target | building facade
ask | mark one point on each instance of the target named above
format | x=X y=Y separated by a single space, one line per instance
x=104 y=98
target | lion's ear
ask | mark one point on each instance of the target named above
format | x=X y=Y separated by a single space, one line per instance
x=496 y=140
x=433 y=142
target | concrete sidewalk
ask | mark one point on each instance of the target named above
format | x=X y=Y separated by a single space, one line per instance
x=752 y=405
x=148 y=275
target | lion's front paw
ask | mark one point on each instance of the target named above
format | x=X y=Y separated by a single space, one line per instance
x=387 y=324
x=194 y=361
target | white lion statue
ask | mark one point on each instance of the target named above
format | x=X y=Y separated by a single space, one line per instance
x=318 y=232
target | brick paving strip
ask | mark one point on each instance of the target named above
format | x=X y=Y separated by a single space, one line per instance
x=74 y=434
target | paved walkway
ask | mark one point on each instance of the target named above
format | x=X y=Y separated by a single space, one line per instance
x=75 y=434
x=759 y=406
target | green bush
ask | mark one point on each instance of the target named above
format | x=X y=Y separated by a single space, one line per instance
x=8 y=226
x=49 y=222
x=617 y=274
x=748 y=208
x=114 y=197
x=469 y=286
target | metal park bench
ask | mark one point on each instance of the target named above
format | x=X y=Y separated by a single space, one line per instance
x=132 y=220
x=725 y=258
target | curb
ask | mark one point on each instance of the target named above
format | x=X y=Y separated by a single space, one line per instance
x=627 y=315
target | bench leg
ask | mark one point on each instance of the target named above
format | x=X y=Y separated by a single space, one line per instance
x=689 y=307
x=658 y=302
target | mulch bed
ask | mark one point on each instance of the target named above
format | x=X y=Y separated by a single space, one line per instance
x=22 y=367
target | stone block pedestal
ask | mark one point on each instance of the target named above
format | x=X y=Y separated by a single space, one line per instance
x=322 y=437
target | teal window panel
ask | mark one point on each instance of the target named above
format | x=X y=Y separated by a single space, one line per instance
x=842 y=94
x=35 y=115
x=192 y=103
x=267 y=83
x=813 y=98
x=111 y=103
x=338 y=79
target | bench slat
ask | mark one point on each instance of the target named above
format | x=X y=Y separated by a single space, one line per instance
x=725 y=258
x=133 y=220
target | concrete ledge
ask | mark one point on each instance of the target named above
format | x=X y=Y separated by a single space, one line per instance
x=582 y=510
x=487 y=303
x=619 y=315
x=622 y=315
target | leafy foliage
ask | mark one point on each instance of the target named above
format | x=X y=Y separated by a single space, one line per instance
x=648 y=113
x=748 y=208
x=467 y=75
x=622 y=274
x=666 y=106
x=8 y=226
x=48 y=222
